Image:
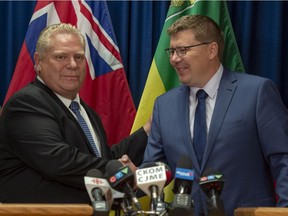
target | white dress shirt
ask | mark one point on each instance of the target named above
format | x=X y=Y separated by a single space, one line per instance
x=211 y=88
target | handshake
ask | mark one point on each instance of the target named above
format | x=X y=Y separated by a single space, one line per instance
x=114 y=190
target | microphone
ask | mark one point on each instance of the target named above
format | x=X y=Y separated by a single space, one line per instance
x=212 y=185
x=121 y=178
x=99 y=192
x=151 y=179
x=184 y=176
x=117 y=196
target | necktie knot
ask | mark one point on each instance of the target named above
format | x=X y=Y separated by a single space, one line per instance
x=74 y=106
x=201 y=94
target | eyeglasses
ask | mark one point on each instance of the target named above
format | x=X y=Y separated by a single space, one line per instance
x=181 y=51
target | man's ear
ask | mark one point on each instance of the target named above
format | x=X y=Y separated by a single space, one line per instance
x=37 y=66
x=213 y=50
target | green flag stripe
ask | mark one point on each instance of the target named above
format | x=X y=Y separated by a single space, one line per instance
x=162 y=76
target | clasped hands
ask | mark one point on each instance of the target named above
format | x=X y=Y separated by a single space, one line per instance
x=125 y=160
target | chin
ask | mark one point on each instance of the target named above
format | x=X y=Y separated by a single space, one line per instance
x=184 y=81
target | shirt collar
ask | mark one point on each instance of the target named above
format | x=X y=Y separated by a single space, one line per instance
x=64 y=100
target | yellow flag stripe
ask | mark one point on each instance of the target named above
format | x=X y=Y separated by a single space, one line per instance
x=153 y=88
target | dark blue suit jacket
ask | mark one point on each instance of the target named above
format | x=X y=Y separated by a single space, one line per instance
x=247 y=141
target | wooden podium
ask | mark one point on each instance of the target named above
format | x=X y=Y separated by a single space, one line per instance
x=45 y=209
x=261 y=211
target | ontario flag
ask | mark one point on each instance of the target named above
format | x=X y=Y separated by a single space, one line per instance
x=105 y=89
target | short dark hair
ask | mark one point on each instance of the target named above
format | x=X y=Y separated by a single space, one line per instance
x=204 y=28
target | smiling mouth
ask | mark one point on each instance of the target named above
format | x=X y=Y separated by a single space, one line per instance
x=180 y=70
x=178 y=67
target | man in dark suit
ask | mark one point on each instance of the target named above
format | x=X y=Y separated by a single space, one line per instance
x=246 y=132
x=44 y=153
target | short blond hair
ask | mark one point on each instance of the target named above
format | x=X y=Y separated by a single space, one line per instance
x=44 y=39
x=204 y=28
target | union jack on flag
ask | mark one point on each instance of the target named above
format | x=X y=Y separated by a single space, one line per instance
x=106 y=88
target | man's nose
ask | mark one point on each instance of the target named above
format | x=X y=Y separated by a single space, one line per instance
x=174 y=57
x=72 y=62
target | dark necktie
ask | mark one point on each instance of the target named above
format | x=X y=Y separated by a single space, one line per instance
x=74 y=106
x=199 y=135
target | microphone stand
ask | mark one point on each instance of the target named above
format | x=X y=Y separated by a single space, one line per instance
x=117 y=206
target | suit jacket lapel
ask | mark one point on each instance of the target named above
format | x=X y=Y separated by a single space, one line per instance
x=225 y=94
x=105 y=153
x=184 y=119
x=56 y=99
x=67 y=112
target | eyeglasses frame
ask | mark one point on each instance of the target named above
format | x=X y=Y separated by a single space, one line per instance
x=168 y=50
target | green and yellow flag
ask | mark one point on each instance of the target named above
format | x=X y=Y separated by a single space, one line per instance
x=162 y=76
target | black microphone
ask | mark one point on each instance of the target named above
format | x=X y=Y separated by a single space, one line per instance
x=212 y=184
x=118 y=197
x=121 y=178
x=151 y=179
x=184 y=176
x=99 y=192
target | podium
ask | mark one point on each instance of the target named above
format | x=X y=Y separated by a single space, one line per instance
x=261 y=211
x=45 y=209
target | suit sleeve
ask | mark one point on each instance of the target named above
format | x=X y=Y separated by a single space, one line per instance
x=272 y=121
x=36 y=136
x=134 y=146
x=155 y=150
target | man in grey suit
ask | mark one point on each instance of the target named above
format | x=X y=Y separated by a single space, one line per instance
x=246 y=132
x=44 y=153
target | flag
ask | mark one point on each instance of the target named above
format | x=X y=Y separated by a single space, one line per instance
x=162 y=76
x=105 y=89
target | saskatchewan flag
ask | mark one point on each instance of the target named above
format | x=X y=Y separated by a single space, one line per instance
x=162 y=76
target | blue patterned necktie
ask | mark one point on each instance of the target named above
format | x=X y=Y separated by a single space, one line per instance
x=74 y=106
x=200 y=128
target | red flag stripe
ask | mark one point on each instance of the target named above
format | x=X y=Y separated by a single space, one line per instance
x=99 y=32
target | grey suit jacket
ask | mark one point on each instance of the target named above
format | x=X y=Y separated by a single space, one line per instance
x=247 y=141
x=44 y=153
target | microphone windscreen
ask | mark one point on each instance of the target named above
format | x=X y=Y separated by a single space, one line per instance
x=169 y=176
x=184 y=175
x=150 y=164
x=185 y=162
x=95 y=173
x=112 y=167
x=210 y=180
x=209 y=171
